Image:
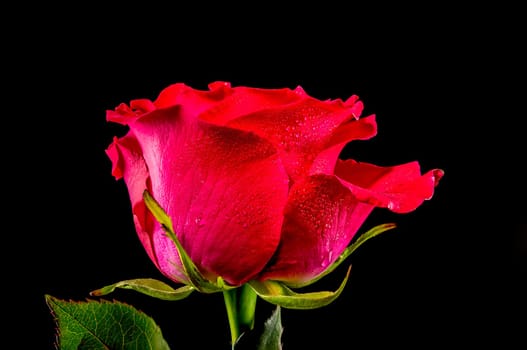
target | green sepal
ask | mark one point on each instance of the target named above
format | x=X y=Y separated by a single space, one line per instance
x=377 y=230
x=148 y=286
x=279 y=294
x=194 y=276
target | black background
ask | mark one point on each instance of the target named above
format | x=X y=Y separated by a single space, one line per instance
x=452 y=273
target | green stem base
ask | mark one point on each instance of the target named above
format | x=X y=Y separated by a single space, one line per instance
x=240 y=304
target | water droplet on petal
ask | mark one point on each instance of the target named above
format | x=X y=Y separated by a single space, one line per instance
x=199 y=221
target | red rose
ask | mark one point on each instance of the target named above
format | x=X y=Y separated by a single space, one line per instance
x=252 y=181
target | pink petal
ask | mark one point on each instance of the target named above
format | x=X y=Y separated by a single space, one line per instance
x=218 y=105
x=361 y=129
x=224 y=190
x=122 y=114
x=247 y=100
x=128 y=163
x=192 y=100
x=299 y=126
x=400 y=188
x=299 y=130
x=321 y=218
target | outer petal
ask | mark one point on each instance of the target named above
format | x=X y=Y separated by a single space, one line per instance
x=308 y=133
x=321 y=218
x=192 y=100
x=224 y=190
x=243 y=101
x=218 y=105
x=324 y=213
x=299 y=130
x=128 y=163
x=361 y=129
x=400 y=188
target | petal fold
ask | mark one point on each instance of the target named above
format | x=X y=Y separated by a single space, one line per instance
x=400 y=188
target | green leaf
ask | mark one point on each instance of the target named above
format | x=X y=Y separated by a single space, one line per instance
x=271 y=338
x=195 y=278
x=104 y=325
x=279 y=294
x=377 y=230
x=148 y=286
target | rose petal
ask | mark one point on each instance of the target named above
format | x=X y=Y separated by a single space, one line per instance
x=194 y=101
x=299 y=130
x=128 y=163
x=361 y=129
x=299 y=126
x=122 y=114
x=400 y=188
x=246 y=100
x=224 y=190
x=321 y=218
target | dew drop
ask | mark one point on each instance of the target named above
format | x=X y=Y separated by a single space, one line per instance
x=199 y=221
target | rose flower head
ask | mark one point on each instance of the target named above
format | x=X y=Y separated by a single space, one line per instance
x=250 y=183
